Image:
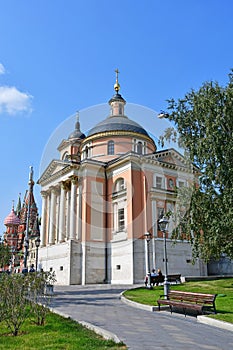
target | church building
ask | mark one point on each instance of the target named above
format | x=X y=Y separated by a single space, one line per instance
x=107 y=189
x=22 y=229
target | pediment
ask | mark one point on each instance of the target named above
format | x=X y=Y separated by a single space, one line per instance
x=173 y=157
x=170 y=156
x=53 y=169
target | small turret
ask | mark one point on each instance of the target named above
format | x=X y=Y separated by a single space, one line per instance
x=117 y=102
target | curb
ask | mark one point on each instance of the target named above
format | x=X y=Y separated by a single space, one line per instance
x=105 y=334
x=216 y=323
x=137 y=305
x=98 y=330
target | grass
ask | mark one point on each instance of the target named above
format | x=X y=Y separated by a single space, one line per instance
x=222 y=287
x=58 y=334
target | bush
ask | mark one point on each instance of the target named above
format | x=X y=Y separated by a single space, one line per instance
x=22 y=297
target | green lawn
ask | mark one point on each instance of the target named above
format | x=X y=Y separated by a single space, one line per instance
x=58 y=334
x=222 y=287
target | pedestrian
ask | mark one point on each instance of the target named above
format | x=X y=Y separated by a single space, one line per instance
x=32 y=268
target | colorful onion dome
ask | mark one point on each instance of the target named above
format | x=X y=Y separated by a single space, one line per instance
x=12 y=219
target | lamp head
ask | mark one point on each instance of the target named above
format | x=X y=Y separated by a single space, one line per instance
x=147 y=236
x=163 y=223
x=37 y=242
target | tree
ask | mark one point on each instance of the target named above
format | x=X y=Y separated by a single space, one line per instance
x=204 y=122
x=14 y=304
x=40 y=299
x=5 y=254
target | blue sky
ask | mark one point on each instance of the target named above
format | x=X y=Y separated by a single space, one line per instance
x=59 y=56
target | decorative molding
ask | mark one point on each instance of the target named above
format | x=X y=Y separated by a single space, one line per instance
x=117 y=133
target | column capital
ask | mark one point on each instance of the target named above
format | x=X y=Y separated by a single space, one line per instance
x=66 y=185
x=44 y=193
x=55 y=190
x=74 y=179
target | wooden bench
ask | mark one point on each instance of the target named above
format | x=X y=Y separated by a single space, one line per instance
x=188 y=300
x=156 y=280
x=174 y=278
x=160 y=279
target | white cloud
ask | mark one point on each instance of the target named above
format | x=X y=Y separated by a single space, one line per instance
x=2 y=69
x=13 y=101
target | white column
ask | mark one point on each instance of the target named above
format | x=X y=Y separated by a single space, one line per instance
x=146 y=256
x=154 y=232
x=115 y=222
x=61 y=234
x=43 y=218
x=79 y=212
x=83 y=263
x=145 y=203
x=52 y=217
x=67 y=214
x=73 y=208
x=57 y=218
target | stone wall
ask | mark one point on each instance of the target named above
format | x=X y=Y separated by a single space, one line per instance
x=179 y=258
x=56 y=258
x=223 y=266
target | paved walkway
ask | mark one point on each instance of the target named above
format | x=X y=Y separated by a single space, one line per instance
x=100 y=305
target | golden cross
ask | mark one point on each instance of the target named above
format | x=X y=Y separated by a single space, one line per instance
x=117 y=72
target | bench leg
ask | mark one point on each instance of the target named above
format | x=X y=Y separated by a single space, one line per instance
x=184 y=310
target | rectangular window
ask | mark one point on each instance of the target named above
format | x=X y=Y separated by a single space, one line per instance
x=121 y=219
x=159 y=182
x=111 y=147
x=160 y=213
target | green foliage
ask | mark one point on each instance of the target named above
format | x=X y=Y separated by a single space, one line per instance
x=204 y=122
x=5 y=255
x=13 y=302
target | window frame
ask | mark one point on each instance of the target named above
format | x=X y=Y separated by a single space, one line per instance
x=121 y=219
x=111 y=148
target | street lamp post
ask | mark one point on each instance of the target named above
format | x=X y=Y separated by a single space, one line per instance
x=13 y=259
x=37 y=243
x=26 y=248
x=147 y=236
x=163 y=225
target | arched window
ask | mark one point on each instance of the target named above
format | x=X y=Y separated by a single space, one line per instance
x=110 y=147
x=119 y=185
x=86 y=152
x=139 y=147
x=65 y=156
